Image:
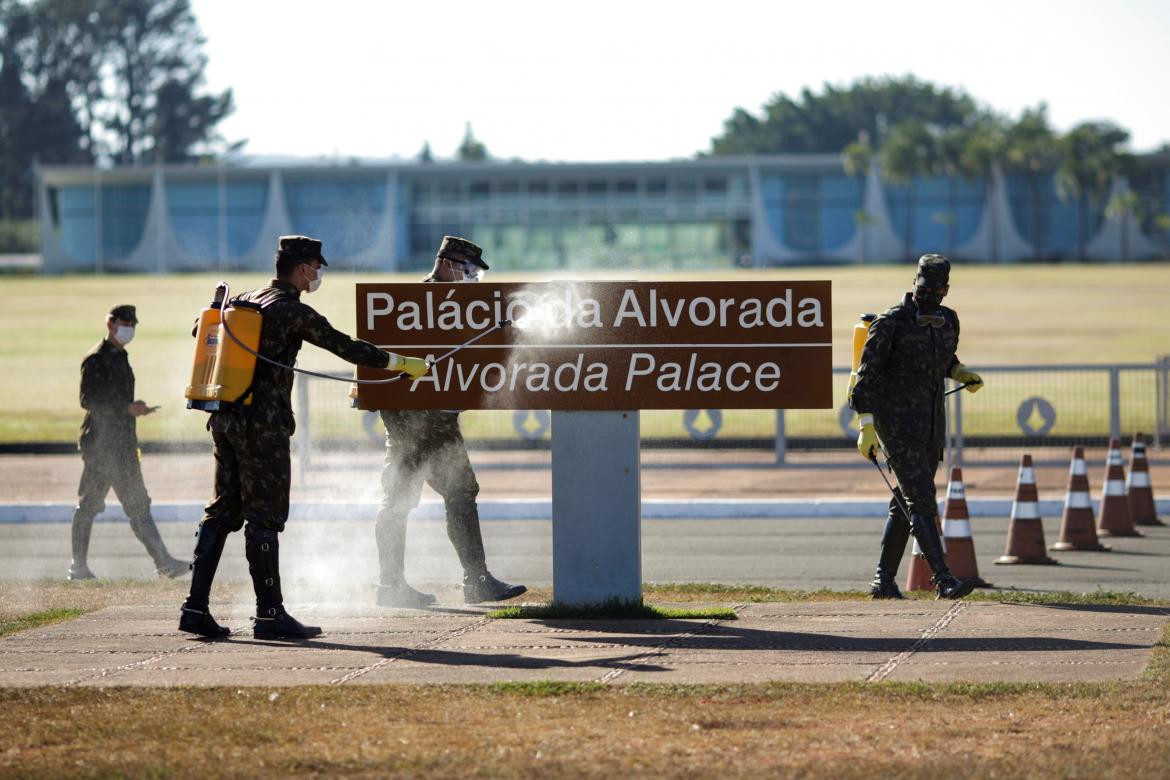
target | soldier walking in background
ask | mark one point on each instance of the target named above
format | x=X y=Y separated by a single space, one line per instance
x=899 y=399
x=251 y=444
x=109 y=448
x=427 y=446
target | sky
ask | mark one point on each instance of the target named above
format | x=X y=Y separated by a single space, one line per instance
x=649 y=80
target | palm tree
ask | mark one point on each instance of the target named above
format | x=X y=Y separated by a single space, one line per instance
x=856 y=158
x=909 y=150
x=984 y=146
x=1030 y=147
x=1091 y=158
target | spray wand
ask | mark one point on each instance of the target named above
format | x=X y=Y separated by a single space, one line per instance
x=469 y=342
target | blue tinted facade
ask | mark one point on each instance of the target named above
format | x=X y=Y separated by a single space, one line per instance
x=706 y=213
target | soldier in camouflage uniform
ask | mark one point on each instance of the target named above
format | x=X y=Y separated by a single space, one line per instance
x=899 y=399
x=109 y=448
x=251 y=444
x=428 y=446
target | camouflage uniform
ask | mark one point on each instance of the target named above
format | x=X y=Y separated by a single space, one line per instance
x=251 y=449
x=427 y=446
x=252 y=473
x=900 y=381
x=109 y=452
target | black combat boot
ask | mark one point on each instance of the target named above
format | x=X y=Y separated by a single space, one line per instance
x=147 y=533
x=81 y=530
x=482 y=587
x=262 y=547
x=194 y=616
x=947 y=585
x=393 y=589
x=894 y=538
x=478 y=583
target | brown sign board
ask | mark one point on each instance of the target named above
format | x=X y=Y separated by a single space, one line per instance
x=603 y=346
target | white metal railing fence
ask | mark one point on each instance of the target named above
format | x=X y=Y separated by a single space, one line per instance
x=1043 y=406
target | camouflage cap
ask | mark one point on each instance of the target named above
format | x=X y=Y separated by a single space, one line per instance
x=301 y=247
x=124 y=312
x=933 y=271
x=457 y=248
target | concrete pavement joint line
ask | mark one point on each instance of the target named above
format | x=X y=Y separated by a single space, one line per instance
x=886 y=669
x=410 y=650
x=107 y=672
x=614 y=673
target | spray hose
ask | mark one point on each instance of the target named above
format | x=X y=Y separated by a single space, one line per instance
x=349 y=380
x=873 y=459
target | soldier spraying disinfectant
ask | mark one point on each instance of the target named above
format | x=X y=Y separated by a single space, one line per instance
x=909 y=352
x=250 y=436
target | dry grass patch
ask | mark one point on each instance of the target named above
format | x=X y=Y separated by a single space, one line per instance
x=19 y=598
x=563 y=730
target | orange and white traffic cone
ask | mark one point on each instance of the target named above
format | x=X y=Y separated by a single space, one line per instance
x=1025 y=542
x=1138 y=488
x=918 y=578
x=956 y=532
x=1116 y=519
x=1078 y=526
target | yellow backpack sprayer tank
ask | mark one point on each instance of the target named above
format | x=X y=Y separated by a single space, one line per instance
x=226 y=340
x=860 y=334
x=201 y=388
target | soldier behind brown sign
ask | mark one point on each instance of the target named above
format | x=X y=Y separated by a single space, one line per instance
x=251 y=444
x=898 y=397
x=109 y=448
x=427 y=446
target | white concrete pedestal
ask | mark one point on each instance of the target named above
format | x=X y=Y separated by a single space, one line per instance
x=596 y=507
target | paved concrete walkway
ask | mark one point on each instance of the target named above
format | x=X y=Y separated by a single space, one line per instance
x=932 y=641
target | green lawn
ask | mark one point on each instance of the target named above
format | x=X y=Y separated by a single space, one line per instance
x=1016 y=315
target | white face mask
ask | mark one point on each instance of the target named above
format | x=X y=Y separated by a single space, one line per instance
x=124 y=334
x=316 y=283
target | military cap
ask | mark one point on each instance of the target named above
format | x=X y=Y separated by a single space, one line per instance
x=124 y=312
x=301 y=247
x=456 y=248
x=933 y=271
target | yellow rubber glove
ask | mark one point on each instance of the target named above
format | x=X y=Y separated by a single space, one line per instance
x=411 y=366
x=966 y=376
x=867 y=440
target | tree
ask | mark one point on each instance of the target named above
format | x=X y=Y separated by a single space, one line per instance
x=909 y=150
x=424 y=154
x=1091 y=156
x=1030 y=148
x=37 y=123
x=830 y=121
x=471 y=150
x=982 y=149
x=133 y=72
x=857 y=158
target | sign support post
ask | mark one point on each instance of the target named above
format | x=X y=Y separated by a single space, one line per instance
x=597 y=507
